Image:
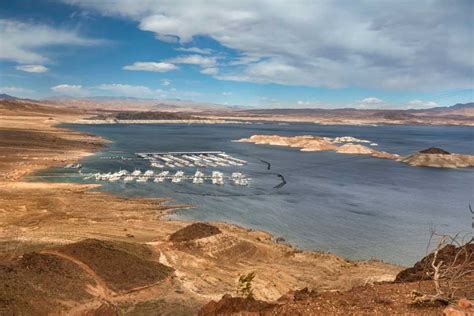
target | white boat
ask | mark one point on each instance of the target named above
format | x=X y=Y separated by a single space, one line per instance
x=149 y=173
x=239 y=161
x=157 y=165
x=142 y=179
x=217 y=178
x=128 y=179
x=114 y=178
x=161 y=176
x=178 y=176
x=239 y=179
x=198 y=177
x=122 y=172
x=103 y=176
x=136 y=173
x=207 y=161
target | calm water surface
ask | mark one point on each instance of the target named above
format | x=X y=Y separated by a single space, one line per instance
x=355 y=206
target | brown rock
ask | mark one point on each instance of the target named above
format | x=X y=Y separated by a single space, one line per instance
x=465 y=303
x=194 y=231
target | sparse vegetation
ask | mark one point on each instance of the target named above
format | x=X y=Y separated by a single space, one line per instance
x=245 y=288
x=451 y=268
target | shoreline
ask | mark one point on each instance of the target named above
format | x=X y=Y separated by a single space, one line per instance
x=275 y=120
x=37 y=216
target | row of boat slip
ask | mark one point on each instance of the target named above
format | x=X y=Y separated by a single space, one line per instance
x=191 y=159
x=216 y=177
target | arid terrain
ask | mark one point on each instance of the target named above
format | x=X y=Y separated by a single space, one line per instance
x=67 y=249
x=102 y=109
x=458 y=114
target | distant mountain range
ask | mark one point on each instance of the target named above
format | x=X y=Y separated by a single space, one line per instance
x=107 y=104
x=4 y=96
x=465 y=109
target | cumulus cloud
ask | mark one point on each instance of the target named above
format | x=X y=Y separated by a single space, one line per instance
x=16 y=91
x=22 y=42
x=69 y=89
x=32 y=68
x=203 y=51
x=210 y=71
x=420 y=104
x=370 y=103
x=206 y=63
x=130 y=90
x=120 y=90
x=389 y=44
x=372 y=100
x=194 y=60
x=151 y=66
x=165 y=82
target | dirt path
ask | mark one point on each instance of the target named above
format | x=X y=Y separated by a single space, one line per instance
x=101 y=289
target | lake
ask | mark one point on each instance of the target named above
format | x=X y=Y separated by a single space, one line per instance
x=352 y=205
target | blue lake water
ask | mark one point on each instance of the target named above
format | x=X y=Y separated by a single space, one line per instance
x=356 y=206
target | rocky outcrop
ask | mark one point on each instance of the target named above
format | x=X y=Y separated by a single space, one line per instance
x=229 y=305
x=435 y=150
x=438 y=158
x=422 y=269
x=310 y=143
x=306 y=142
x=363 y=150
x=431 y=157
x=194 y=231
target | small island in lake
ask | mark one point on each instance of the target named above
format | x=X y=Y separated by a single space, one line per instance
x=431 y=157
x=438 y=158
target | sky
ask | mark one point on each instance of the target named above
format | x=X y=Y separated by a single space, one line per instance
x=257 y=53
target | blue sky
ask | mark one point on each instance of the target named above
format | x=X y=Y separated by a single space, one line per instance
x=373 y=54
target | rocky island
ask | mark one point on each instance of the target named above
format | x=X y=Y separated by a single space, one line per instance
x=342 y=145
x=438 y=158
x=431 y=157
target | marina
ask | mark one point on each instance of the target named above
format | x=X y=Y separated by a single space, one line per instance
x=199 y=177
x=200 y=159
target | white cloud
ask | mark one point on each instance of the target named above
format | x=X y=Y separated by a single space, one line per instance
x=226 y=93
x=371 y=103
x=377 y=44
x=130 y=90
x=372 y=100
x=32 y=68
x=21 y=42
x=193 y=60
x=15 y=91
x=165 y=82
x=151 y=66
x=203 y=51
x=210 y=71
x=206 y=63
x=69 y=89
x=420 y=104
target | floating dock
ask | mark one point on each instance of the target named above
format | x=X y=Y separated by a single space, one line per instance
x=216 y=177
x=181 y=159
